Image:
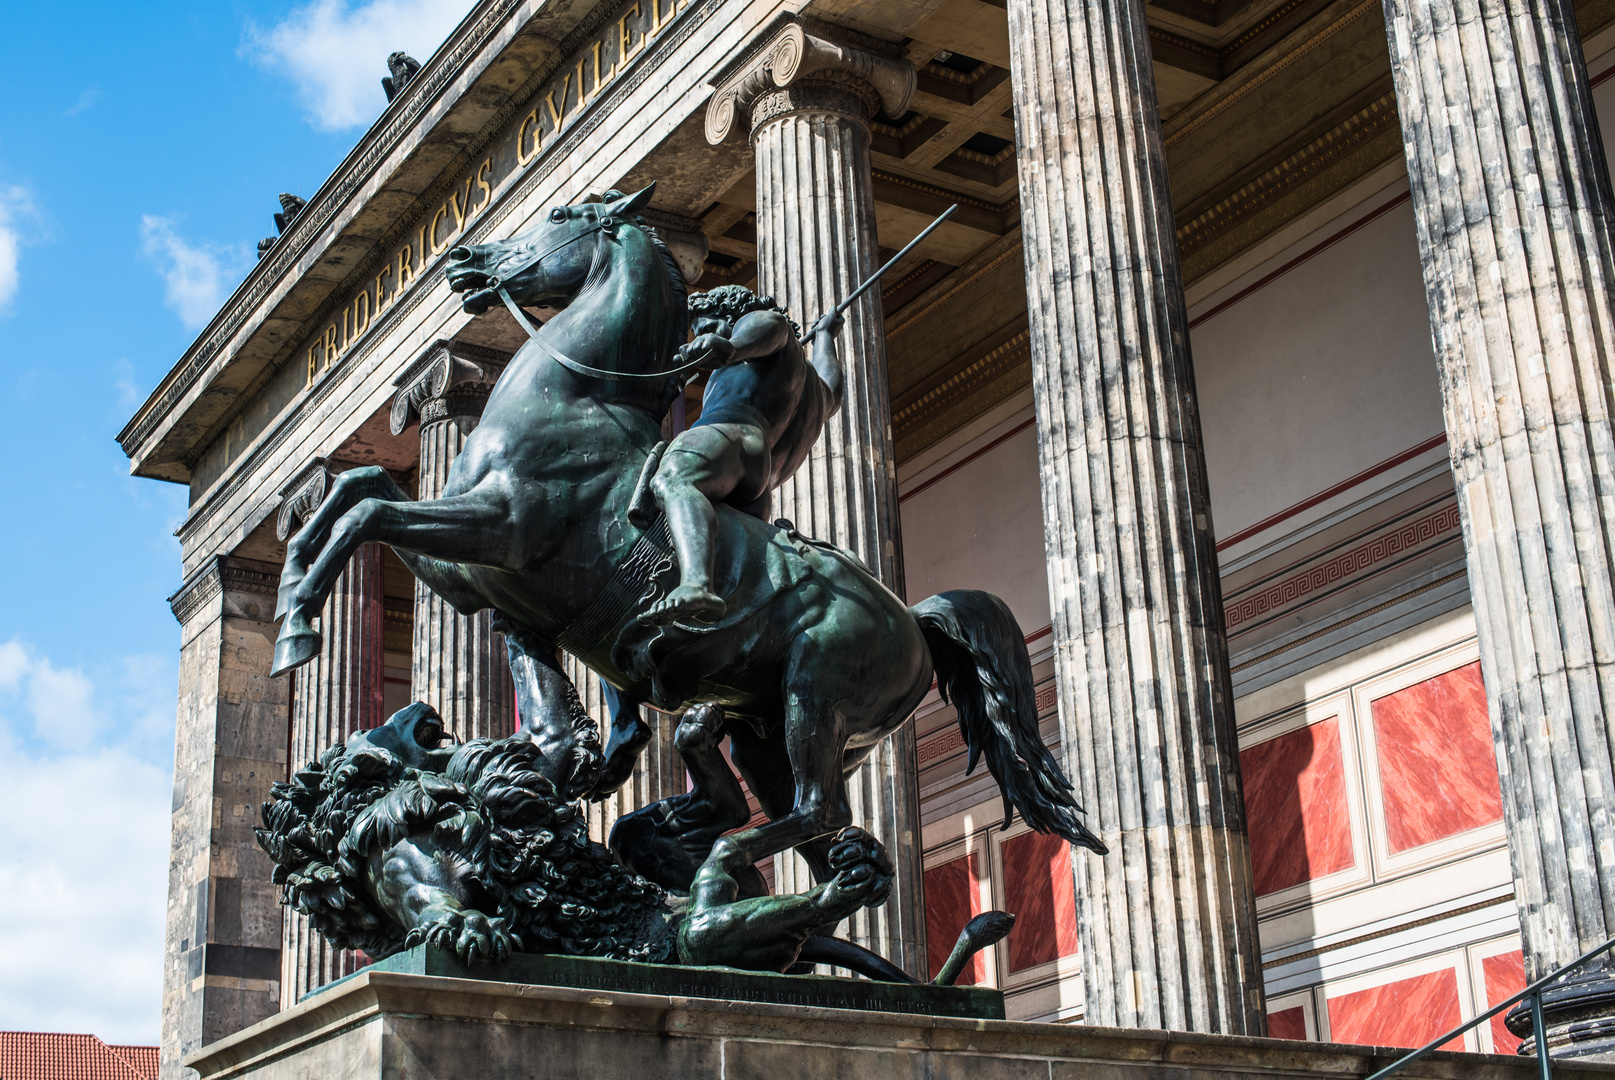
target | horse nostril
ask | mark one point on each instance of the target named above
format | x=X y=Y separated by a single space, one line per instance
x=460 y=255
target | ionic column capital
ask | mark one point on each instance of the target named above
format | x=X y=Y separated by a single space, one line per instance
x=450 y=379
x=808 y=66
x=300 y=498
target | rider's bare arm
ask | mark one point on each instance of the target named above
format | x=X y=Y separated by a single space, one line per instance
x=824 y=358
x=759 y=333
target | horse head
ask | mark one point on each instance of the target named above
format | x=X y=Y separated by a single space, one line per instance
x=547 y=265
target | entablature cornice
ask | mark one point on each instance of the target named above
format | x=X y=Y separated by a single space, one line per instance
x=467 y=94
x=361 y=379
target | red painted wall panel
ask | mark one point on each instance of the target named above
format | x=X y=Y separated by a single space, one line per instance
x=1041 y=895
x=1288 y=1024
x=1437 y=768
x=1295 y=807
x=1407 y=1012
x=951 y=899
x=1505 y=977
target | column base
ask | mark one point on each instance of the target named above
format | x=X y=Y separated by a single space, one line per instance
x=1579 y=1015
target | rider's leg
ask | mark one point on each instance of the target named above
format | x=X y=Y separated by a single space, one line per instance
x=701 y=468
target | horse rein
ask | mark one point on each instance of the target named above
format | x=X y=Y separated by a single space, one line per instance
x=525 y=321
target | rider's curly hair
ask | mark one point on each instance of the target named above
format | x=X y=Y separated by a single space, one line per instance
x=730 y=302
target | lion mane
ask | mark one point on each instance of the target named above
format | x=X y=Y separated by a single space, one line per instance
x=529 y=851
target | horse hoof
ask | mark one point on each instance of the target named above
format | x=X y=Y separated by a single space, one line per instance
x=295 y=650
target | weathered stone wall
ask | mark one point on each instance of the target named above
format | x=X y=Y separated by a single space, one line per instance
x=222 y=965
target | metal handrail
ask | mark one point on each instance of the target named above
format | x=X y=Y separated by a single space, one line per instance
x=1544 y=1063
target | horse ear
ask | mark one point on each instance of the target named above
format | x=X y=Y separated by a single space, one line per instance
x=628 y=205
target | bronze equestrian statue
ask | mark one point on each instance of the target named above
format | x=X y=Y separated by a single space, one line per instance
x=812 y=661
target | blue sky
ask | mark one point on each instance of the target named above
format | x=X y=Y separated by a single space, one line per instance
x=141 y=150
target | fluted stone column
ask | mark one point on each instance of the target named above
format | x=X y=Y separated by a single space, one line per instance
x=807 y=101
x=1511 y=194
x=333 y=696
x=459 y=663
x=1167 y=919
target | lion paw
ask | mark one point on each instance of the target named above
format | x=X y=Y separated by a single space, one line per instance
x=472 y=936
x=864 y=873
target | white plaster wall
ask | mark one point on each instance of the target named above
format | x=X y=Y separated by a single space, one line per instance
x=982 y=528
x=1326 y=371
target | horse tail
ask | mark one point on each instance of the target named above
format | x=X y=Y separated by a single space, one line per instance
x=983 y=668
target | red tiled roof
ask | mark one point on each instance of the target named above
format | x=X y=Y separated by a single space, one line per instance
x=45 y=1055
x=142 y=1059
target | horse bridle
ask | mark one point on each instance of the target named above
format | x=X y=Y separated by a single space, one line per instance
x=603 y=226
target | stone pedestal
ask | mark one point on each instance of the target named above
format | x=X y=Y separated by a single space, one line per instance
x=1168 y=919
x=1512 y=198
x=221 y=960
x=460 y=666
x=382 y=1025
x=336 y=694
x=807 y=102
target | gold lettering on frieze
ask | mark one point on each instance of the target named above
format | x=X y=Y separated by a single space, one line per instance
x=360 y=325
x=523 y=155
x=624 y=53
x=460 y=209
x=381 y=302
x=483 y=185
x=551 y=109
x=549 y=99
x=442 y=212
x=406 y=272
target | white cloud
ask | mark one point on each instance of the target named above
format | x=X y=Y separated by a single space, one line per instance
x=336 y=53
x=196 y=275
x=83 y=852
x=91 y=95
x=14 y=204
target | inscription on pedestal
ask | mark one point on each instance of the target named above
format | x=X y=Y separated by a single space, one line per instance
x=731 y=984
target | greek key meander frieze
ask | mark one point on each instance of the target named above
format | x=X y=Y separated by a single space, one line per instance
x=1440 y=525
x=493 y=217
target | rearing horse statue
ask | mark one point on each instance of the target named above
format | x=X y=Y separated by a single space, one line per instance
x=813 y=664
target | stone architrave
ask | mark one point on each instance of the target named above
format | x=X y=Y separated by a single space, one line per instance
x=1167 y=919
x=460 y=666
x=1511 y=194
x=806 y=93
x=221 y=963
x=338 y=693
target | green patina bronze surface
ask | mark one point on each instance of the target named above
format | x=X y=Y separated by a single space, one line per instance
x=656 y=566
x=726 y=984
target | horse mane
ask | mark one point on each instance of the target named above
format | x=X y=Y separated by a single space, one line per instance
x=675 y=279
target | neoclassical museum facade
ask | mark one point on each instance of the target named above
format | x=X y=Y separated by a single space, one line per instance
x=1264 y=369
